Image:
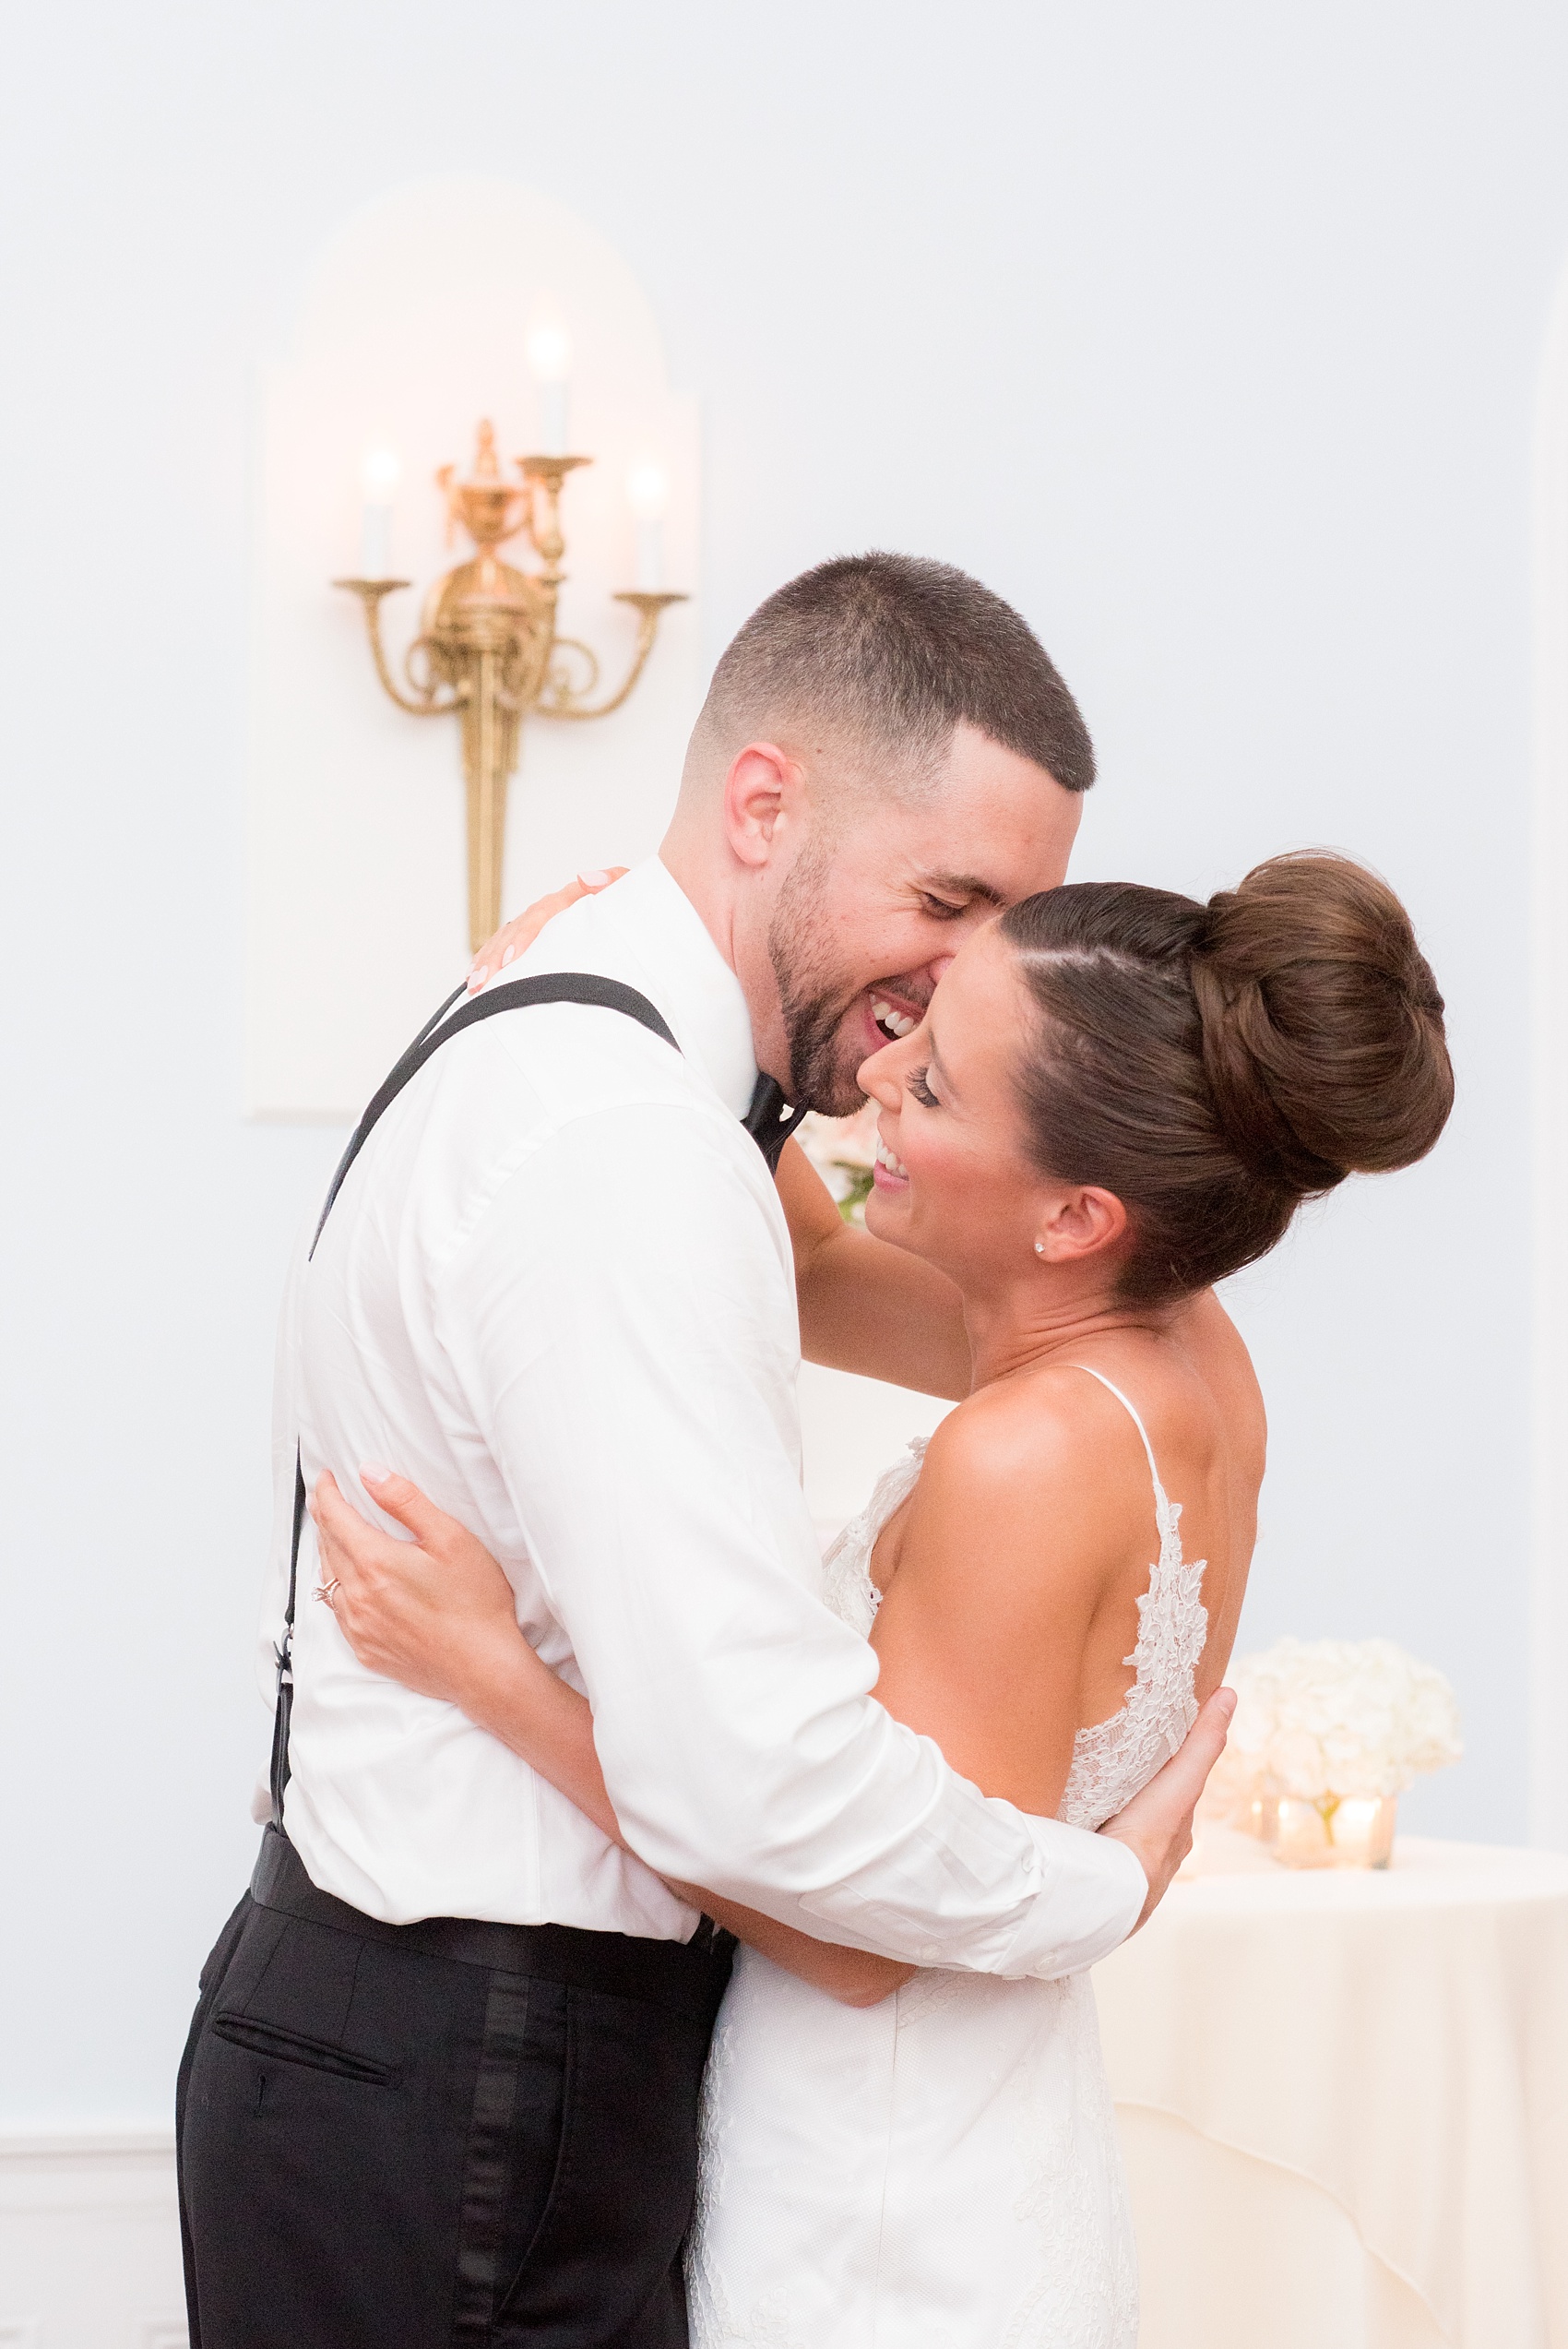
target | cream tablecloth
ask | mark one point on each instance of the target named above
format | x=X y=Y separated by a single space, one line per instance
x=1344 y=2100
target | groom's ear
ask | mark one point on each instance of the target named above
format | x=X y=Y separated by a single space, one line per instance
x=761 y=782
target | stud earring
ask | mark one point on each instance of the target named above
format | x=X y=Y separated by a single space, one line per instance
x=1040 y=1247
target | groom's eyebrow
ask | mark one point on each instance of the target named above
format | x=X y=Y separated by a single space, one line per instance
x=964 y=885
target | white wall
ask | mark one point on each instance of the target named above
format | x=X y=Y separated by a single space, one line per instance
x=1209 y=335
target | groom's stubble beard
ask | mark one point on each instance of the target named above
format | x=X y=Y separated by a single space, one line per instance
x=812 y=1005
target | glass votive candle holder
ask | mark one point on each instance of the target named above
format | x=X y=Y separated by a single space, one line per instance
x=1348 y=1830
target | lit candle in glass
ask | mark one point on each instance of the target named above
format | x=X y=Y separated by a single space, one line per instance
x=380 y=472
x=550 y=356
x=1301 y=1837
x=647 y=489
x=1351 y=1830
x=1363 y=1831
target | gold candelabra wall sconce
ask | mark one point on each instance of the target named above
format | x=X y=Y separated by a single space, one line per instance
x=488 y=651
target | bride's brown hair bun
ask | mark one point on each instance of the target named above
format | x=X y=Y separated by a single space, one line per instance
x=1322 y=1024
x=1214 y=1066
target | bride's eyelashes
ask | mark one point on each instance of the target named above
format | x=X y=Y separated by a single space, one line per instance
x=915 y=1082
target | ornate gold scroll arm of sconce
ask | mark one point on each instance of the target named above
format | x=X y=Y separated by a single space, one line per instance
x=487 y=647
x=560 y=699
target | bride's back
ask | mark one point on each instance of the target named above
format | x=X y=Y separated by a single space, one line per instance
x=1060 y=1588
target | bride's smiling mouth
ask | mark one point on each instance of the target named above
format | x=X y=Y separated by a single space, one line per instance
x=889 y=1174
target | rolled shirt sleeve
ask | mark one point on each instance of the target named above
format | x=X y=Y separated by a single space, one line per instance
x=637 y=1394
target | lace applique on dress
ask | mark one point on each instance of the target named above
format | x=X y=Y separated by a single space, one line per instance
x=1113 y=1759
x=846 y=1563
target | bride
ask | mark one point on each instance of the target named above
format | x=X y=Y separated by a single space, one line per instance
x=1117 y=1097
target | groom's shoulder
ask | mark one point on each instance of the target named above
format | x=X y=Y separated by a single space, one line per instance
x=564 y=1099
x=543 y=1064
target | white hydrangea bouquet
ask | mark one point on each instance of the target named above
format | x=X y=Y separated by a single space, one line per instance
x=1327 y=1734
x=843 y=1150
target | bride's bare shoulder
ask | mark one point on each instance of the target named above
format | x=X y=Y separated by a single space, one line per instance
x=1017 y=1450
x=1054 y=1442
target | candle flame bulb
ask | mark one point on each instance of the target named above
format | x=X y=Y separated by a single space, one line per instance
x=549 y=353
x=648 y=488
x=380 y=471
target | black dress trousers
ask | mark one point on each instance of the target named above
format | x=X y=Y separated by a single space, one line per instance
x=444 y=2133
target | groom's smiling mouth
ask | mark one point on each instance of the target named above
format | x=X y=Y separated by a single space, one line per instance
x=892 y=1014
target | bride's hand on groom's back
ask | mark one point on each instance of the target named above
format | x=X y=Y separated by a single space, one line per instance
x=435 y=1612
x=1157 y=1825
x=515 y=936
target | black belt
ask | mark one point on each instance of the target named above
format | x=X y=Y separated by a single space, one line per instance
x=686 y=1975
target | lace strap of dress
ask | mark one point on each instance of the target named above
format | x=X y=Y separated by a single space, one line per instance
x=1162 y=1511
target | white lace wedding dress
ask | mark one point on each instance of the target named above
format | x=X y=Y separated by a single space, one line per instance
x=940 y=2171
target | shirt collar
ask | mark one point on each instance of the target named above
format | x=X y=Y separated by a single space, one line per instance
x=646 y=930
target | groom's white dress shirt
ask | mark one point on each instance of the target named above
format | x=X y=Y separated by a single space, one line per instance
x=556 y=1290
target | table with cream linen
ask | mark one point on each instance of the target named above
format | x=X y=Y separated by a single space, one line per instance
x=1343 y=2098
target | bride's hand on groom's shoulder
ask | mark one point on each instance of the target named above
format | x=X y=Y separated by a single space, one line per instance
x=515 y=936
x=435 y=1612
x=1157 y=1825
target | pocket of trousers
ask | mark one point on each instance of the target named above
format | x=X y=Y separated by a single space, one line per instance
x=297 y=2048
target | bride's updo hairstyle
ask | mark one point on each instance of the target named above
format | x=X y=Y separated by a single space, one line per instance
x=1216 y=1065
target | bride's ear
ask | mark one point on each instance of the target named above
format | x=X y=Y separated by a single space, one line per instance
x=1077 y=1222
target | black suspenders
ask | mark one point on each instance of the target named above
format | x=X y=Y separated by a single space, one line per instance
x=511 y=995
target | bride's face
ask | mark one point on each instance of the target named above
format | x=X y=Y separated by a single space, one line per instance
x=955 y=1182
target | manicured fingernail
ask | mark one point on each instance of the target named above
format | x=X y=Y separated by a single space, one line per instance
x=594 y=880
x=478 y=976
x=507 y=956
x=373 y=1473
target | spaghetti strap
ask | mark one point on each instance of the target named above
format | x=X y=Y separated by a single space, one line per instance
x=1161 y=1505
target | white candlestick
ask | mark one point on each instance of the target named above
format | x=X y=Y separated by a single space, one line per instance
x=375 y=543
x=650 y=557
x=648 y=490
x=553 y=420
x=550 y=356
x=380 y=470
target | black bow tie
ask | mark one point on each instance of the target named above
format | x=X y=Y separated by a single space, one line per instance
x=768 y=1120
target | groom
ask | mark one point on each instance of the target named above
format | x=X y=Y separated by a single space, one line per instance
x=441 y=2083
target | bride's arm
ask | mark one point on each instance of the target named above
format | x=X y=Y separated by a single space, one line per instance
x=437 y=1614
x=864 y=1305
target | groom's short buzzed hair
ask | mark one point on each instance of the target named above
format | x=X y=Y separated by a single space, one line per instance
x=892 y=652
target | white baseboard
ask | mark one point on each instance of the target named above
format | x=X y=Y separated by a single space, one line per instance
x=89 y=2242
